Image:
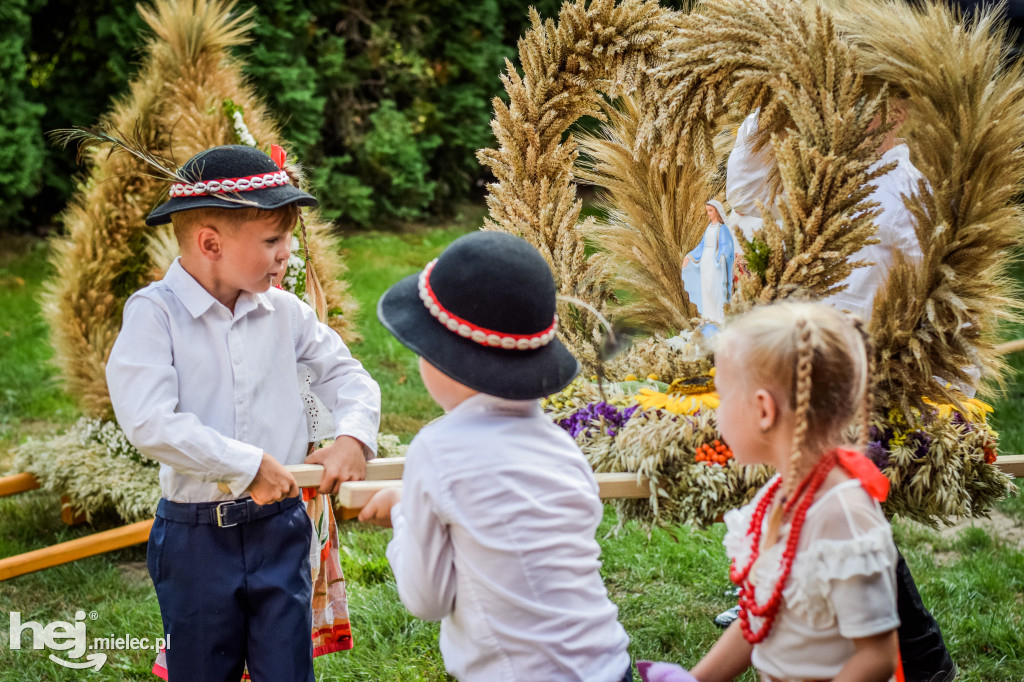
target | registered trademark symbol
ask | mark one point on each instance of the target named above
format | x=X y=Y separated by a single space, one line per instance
x=93 y=615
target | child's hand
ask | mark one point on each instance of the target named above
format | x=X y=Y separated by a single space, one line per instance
x=272 y=482
x=663 y=672
x=378 y=510
x=343 y=460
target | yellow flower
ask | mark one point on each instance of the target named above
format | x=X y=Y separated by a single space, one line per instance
x=630 y=377
x=977 y=411
x=711 y=372
x=650 y=399
x=943 y=410
x=652 y=377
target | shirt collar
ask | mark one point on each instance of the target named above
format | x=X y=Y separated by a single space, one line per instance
x=197 y=300
x=247 y=302
x=900 y=154
x=483 y=402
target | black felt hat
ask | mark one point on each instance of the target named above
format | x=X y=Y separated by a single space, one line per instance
x=484 y=314
x=231 y=176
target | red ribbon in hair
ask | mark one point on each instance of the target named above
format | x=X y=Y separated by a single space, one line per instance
x=278 y=155
x=864 y=470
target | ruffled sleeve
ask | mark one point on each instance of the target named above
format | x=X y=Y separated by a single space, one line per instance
x=848 y=582
x=737 y=523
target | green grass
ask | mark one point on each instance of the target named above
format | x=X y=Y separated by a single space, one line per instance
x=668 y=585
x=29 y=388
x=376 y=261
x=1008 y=417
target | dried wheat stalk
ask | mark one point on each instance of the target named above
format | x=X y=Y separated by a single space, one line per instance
x=602 y=47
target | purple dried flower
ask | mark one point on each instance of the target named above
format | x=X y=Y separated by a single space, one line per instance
x=877 y=454
x=593 y=414
x=922 y=441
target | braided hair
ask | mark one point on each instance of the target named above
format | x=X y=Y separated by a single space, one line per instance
x=816 y=362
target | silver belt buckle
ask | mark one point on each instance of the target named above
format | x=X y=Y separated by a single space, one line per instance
x=220 y=514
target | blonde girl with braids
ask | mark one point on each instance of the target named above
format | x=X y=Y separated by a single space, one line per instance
x=812 y=553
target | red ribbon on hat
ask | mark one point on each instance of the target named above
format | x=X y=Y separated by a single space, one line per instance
x=864 y=470
x=278 y=155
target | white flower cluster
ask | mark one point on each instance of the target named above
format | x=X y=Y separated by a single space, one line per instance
x=241 y=130
x=294 y=279
x=690 y=344
x=110 y=436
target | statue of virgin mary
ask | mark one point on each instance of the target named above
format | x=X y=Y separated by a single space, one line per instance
x=707 y=270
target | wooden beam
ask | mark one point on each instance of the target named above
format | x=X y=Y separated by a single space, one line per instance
x=90 y=545
x=355 y=494
x=624 y=485
x=385 y=469
x=306 y=475
x=1011 y=464
x=67 y=513
x=17 y=483
x=1010 y=347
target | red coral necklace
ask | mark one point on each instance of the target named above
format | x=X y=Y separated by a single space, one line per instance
x=802 y=499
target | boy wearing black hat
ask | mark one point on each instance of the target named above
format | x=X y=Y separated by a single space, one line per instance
x=203 y=378
x=494 y=524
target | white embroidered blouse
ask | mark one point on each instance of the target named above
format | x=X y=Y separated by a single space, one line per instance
x=842 y=585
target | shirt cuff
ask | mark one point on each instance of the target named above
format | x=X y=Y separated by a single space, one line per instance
x=368 y=437
x=246 y=460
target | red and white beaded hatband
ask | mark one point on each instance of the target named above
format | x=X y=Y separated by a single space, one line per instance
x=246 y=184
x=481 y=335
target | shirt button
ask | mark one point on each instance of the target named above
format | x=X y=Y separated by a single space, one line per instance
x=238 y=360
x=239 y=400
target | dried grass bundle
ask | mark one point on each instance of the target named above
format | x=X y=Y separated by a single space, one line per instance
x=791 y=63
x=604 y=47
x=965 y=129
x=654 y=217
x=723 y=55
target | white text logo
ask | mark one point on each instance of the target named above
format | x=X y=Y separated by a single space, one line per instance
x=58 y=636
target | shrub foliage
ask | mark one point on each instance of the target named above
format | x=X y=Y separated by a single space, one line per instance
x=385 y=103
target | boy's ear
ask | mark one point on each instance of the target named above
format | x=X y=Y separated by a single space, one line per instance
x=208 y=242
x=767 y=410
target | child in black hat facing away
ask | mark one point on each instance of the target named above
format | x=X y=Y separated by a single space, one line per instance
x=494 y=524
x=203 y=378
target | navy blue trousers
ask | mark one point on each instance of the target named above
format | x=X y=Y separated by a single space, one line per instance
x=234 y=595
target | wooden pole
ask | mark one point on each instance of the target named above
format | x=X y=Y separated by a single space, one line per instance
x=352 y=497
x=90 y=545
x=1010 y=347
x=17 y=483
x=355 y=494
x=1011 y=464
x=384 y=469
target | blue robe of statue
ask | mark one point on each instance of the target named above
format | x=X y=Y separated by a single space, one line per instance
x=708 y=277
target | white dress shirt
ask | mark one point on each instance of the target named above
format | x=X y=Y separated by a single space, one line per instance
x=494 y=536
x=747 y=183
x=895 y=233
x=746 y=173
x=206 y=392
